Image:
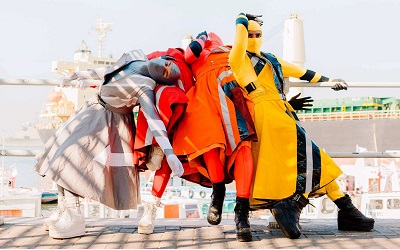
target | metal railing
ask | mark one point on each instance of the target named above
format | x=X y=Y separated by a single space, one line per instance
x=350 y=115
x=391 y=154
x=56 y=82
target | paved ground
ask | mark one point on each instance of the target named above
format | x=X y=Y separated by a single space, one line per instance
x=19 y=232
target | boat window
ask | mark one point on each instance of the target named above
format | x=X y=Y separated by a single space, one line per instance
x=393 y=203
x=376 y=204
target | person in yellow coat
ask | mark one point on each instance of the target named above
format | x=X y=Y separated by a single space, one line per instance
x=289 y=166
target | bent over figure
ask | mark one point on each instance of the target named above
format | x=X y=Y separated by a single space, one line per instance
x=91 y=155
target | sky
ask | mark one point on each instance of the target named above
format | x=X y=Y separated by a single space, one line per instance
x=356 y=40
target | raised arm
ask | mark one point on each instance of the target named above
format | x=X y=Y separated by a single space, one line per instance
x=291 y=70
x=238 y=59
x=93 y=74
x=195 y=48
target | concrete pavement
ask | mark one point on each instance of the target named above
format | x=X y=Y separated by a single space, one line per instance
x=20 y=232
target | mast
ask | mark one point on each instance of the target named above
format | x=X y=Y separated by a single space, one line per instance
x=101 y=29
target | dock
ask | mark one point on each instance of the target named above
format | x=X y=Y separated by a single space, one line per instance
x=28 y=233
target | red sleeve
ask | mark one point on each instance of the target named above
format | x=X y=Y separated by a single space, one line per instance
x=194 y=49
x=156 y=54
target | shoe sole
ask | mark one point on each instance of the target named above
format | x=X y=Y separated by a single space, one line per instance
x=244 y=236
x=68 y=235
x=287 y=234
x=365 y=227
x=214 y=222
x=145 y=230
x=244 y=239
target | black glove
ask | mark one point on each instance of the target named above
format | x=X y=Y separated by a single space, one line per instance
x=339 y=86
x=202 y=33
x=255 y=18
x=301 y=103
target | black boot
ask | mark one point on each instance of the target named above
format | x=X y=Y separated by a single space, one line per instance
x=350 y=218
x=243 y=231
x=217 y=201
x=287 y=214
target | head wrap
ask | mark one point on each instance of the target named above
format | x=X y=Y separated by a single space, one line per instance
x=254 y=44
x=156 y=71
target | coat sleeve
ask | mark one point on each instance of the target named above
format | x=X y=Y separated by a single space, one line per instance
x=156 y=126
x=93 y=74
x=194 y=49
x=292 y=70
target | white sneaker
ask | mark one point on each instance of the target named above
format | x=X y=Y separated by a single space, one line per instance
x=71 y=224
x=146 y=223
x=54 y=217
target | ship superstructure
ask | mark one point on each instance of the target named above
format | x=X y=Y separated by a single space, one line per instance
x=62 y=102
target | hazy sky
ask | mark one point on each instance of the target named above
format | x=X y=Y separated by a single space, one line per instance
x=357 y=40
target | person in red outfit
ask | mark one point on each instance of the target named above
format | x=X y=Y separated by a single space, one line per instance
x=171 y=102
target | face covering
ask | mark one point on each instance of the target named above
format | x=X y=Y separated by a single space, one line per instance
x=156 y=71
x=254 y=44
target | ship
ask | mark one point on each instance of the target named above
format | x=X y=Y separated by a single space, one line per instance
x=26 y=136
x=61 y=103
x=339 y=125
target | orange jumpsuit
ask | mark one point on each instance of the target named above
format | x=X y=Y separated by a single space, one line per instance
x=209 y=128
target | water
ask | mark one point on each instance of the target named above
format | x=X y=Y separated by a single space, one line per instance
x=27 y=177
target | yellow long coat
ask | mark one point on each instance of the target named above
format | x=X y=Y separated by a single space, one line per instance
x=286 y=159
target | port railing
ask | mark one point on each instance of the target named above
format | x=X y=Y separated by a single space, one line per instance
x=340 y=115
x=369 y=154
x=350 y=115
x=56 y=82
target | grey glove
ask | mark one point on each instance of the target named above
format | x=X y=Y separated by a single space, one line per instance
x=175 y=164
x=255 y=18
x=301 y=103
x=339 y=86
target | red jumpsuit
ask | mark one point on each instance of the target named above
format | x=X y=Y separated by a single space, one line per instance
x=171 y=102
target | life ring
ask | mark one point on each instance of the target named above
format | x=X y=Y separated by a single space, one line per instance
x=191 y=193
x=202 y=194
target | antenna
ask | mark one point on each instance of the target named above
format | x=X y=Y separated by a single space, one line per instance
x=101 y=29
